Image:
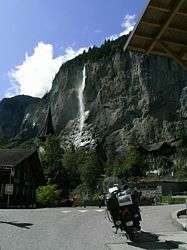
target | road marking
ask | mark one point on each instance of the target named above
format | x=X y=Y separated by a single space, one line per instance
x=82 y=211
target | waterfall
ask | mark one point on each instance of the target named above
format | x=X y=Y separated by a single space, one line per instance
x=81 y=100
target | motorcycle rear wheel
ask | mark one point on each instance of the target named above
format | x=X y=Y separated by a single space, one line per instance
x=130 y=234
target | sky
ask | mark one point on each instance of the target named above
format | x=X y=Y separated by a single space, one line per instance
x=37 y=36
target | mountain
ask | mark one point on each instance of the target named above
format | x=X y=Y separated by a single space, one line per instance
x=124 y=98
x=13 y=112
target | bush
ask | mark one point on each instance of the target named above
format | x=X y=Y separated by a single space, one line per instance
x=95 y=197
x=48 y=196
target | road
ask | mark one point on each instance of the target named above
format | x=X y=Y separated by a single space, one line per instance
x=79 y=229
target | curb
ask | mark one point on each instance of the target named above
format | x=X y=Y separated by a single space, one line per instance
x=181 y=223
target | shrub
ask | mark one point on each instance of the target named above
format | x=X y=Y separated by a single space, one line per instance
x=95 y=197
x=170 y=200
x=48 y=196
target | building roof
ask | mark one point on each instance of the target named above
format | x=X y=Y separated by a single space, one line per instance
x=155 y=146
x=158 y=146
x=162 y=30
x=12 y=157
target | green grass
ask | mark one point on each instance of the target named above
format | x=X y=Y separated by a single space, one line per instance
x=170 y=200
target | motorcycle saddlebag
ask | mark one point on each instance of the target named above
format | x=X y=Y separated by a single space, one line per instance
x=112 y=202
x=125 y=199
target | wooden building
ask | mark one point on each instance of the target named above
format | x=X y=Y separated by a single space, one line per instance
x=157 y=149
x=157 y=155
x=20 y=175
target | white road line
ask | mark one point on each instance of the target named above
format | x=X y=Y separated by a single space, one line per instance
x=81 y=211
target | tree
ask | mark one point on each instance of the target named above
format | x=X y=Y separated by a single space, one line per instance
x=165 y=164
x=3 y=141
x=48 y=196
x=71 y=168
x=131 y=165
x=51 y=161
x=89 y=168
x=180 y=167
x=83 y=168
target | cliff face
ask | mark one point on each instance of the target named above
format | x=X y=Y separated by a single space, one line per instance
x=14 y=112
x=136 y=99
x=128 y=97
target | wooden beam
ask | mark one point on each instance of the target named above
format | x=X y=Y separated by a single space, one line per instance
x=183 y=54
x=164 y=26
x=150 y=23
x=176 y=43
x=172 y=54
x=157 y=25
x=184 y=57
x=134 y=48
x=142 y=50
x=158 y=7
x=159 y=53
x=177 y=29
x=142 y=36
x=182 y=13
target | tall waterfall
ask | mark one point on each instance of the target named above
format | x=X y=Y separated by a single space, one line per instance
x=81 y=100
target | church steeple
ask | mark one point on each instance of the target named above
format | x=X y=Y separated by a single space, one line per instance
x=47 y=129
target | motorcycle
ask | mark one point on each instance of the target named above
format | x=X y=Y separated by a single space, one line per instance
x=123 y=210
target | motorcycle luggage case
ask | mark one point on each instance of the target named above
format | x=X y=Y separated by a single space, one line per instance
x=112 y=202
x=125 y=199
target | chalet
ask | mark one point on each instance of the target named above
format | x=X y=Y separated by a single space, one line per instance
x=179 y=142
x=156 y=149
x=20 y=175
x=156 y=154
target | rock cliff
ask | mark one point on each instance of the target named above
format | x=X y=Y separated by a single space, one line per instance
x=14 y=112
x=128 y=98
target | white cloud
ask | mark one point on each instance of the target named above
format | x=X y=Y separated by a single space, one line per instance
x=34 y=76
x=70 y=53
x=127 y=24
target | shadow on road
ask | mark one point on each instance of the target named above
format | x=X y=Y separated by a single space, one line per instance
x=18 y=224
x=147 y=240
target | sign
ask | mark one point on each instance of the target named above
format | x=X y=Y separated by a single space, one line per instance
x=9 y=188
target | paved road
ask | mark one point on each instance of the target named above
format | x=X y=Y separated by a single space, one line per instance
x=79 y=229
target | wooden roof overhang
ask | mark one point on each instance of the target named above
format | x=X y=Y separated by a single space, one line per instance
x=162 y=30
x=10 y=158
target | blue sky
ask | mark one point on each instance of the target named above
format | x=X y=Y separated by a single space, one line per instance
x=37 y=36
